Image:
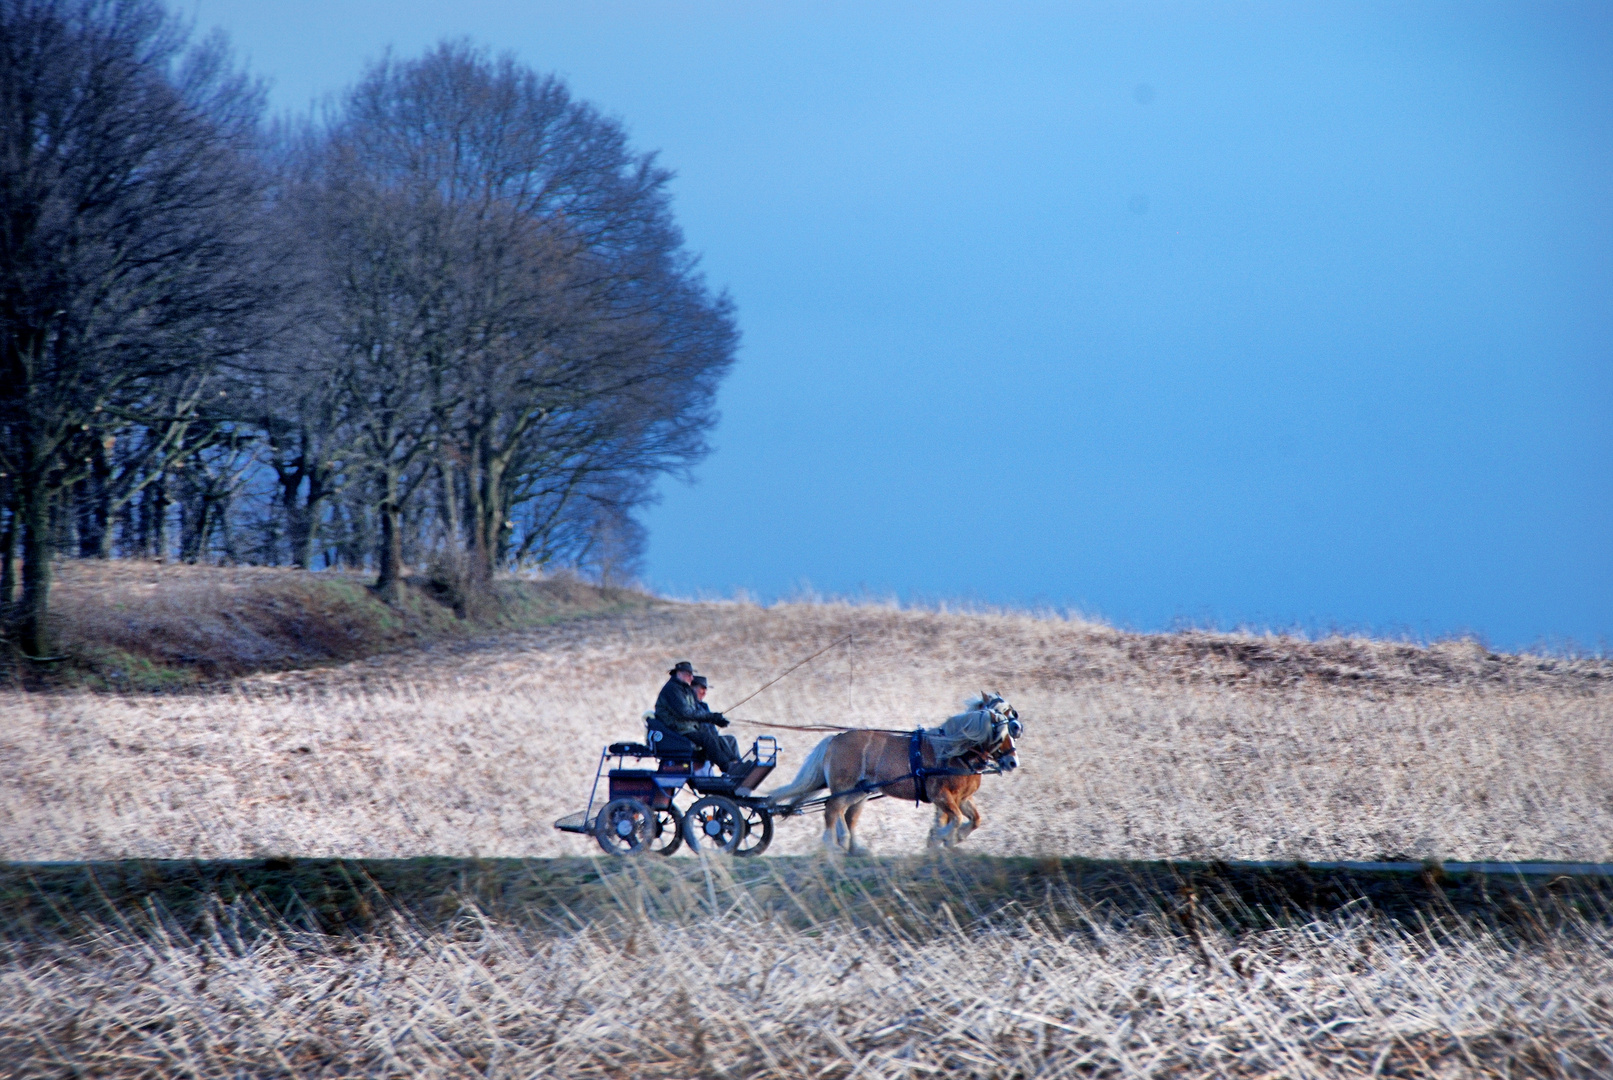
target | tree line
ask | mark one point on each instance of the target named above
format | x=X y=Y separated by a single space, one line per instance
x=447 y=319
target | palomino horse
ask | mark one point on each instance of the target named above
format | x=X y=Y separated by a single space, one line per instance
x=856 y=765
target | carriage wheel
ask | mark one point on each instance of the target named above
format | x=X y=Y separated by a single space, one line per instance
x=670 y=836
x=758 y=830
x=625 y=827
x=715 y=824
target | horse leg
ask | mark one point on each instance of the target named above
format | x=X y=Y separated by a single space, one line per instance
x=972 y=813
x=830 y=821
x=946 y=816
x=937 y=834
x=938 y=828
x=854 y=814
x=835 y=831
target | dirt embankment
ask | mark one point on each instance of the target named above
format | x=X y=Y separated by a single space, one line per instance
x=135 y=625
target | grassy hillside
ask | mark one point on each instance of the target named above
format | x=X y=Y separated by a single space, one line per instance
x=1136 y=746
x=328 y=869
x=126 y=624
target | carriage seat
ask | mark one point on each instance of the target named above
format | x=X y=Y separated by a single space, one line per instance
x=667 y=744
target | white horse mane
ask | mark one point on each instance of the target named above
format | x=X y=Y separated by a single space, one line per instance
x=974 y=727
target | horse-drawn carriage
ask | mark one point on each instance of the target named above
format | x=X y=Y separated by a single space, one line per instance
x=941 y=766
x=640 y=813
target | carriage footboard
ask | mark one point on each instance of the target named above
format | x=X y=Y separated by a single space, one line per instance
x=577 y=823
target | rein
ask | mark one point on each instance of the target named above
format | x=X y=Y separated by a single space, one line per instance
x=794 y=727
x=818 y=727
x=793 y=667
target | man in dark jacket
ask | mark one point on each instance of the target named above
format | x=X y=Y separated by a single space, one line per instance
x=678 y=710
x=700 y=686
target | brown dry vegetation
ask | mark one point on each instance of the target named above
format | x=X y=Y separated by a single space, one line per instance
x=1135 y=747
x=810 y=968
x=132 y=624
x=1201 y=745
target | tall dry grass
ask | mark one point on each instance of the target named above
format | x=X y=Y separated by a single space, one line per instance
x=1223 y=746
x=634 y=990
x=1136 y=746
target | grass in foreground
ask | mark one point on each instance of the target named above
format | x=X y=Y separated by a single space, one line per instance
x=957 y=967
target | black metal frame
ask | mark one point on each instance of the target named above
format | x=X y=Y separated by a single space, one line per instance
x=671 y=782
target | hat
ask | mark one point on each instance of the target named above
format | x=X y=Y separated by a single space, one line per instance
x=682 y=665
x=700 y=680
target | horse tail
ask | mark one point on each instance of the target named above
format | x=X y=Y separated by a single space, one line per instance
x=814 y=776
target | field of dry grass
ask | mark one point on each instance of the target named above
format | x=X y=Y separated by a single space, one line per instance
x=1136 y=747
x=817 y=970
x=1200 y=745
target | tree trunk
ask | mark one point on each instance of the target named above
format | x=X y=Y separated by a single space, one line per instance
x=302 y=513
x=103 y=545
x=142 y=523
x=304 y=521
x=8 y=564
x=128 y=529
x=157 y=535
x=226 y=538
x=450 y=501
x=493 y=519
x=191 y=519
x=83 y=499
x=95 y=508
x=34 y=633
x=60 y=519
x=391 y=549
x=299 y=535
x=486 y=489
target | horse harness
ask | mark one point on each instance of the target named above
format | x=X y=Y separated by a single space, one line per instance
x=977 y=762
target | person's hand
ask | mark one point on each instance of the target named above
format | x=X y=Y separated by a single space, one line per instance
x=718 y=718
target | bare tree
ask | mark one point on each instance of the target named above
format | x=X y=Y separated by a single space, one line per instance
x=388 y=268
x=506 y=254
x=454 y=314
x=126 y=253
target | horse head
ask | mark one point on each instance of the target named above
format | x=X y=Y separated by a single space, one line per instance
x=1005 y=728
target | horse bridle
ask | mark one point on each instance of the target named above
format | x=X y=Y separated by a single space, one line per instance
x=979 y=759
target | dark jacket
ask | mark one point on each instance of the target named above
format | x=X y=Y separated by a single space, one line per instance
x=677 y=707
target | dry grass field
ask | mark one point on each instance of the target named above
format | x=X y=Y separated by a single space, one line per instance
x=1136 y=747
x=1197 y=745
x=814 y=971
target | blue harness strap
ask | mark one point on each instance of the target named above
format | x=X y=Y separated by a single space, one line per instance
x=915 y=765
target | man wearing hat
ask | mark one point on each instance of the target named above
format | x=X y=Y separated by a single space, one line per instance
x=680 y=710
x=699 y=685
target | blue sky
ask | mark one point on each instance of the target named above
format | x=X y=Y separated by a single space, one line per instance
x=1235 y=313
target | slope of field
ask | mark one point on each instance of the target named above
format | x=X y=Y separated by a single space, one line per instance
x=127 y=624
x=1136 y=746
